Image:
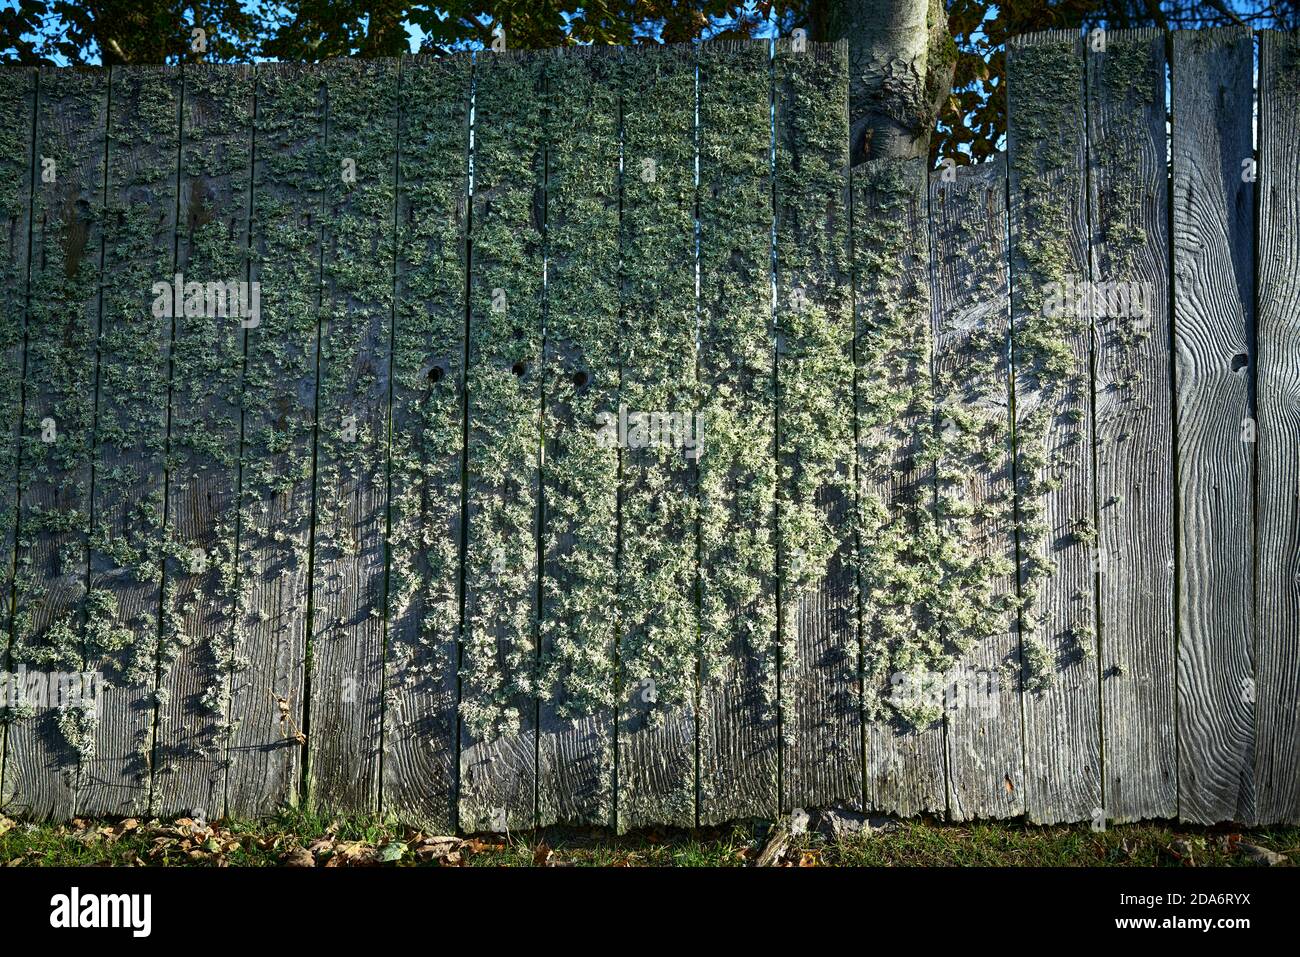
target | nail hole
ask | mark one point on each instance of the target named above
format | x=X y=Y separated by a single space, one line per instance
x=519 y=369
x=435 y=374
x=1239 y=362
x=580 y=378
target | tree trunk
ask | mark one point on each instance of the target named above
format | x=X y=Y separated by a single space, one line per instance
x=901 y=61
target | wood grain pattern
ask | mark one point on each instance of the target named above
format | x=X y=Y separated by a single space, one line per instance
x=658 y=609
x=579 y=626
x=498 y=709
x=820 y=681
x=1051 y=357
x=426 y=450
x=279 y=399
x=193 y=714
x=1277 y=625
x=738 y=722
x=1129 y=216
x=1214 y=309
x=971 y=328
x=128 y=507
x=55 y=476
x=351 y=490
x=17 y=117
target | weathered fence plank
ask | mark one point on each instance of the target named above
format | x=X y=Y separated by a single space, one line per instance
x=1277 y=636
x=207 y=358
x=820 y=643
x=658 y=610
x=279 y=399
x=498 y=710
x=351 y=491
x=45 y=747
x=971 y=309
x=738 y=723
x=1051 y=357
x=899 y=561
x=1214 y=299
x=579 y=623
x=1129 y=218
x=17 y=116
x=127 y=512
x=426 y=447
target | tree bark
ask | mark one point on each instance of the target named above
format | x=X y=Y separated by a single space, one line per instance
x=901 y=62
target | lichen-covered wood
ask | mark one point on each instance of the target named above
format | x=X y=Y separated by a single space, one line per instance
x=1129 y=218
x=268 y=653
x=426 y=444
x=127 y=510
x=50 y=616
x=17 y=113
x=658 y=608
x=900 y=561
x=1214 y=315
x=196 y=657
x=739 y=700
x=1277 y=641
x=498 y=704
x=580 y=390
x=821 y=722
x=351 y=468
x=971 y=311
x=1051 y=355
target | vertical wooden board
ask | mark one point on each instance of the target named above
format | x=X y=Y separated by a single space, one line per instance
x=900 y=563
x=279 y=396
x=207 y=358
x=351 y=493
x=427 y=444
x=1129 y=219
x=820 y=643
x=658 y=610
x=739 y=733
x=1277 y=635
x=1214 y=299
x=127 y=513
x=971 y=310
x=498 y=707
x=579 y=624
x=17 y=110
x=1051 y=358
x=45 y=746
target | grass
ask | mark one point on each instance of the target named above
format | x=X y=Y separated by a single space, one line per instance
x=303 y=838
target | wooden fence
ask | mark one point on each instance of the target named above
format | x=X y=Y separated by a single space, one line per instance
x=511 y=439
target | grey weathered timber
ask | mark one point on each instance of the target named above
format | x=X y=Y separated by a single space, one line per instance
x=738 y=721
x=1214 y=305
x=426 y=444
x=1129 y=219
x=1051 y=358
x=658 y=610
x=47 y=743
x=17 y=113
x=207 y=360
x=127 y=513
x=498 y=758
x=267 y=706
x=1277 y=624
x=971 y=310
x=579 y=617
x=820 y=646
x=899 y=562
x=351 y=491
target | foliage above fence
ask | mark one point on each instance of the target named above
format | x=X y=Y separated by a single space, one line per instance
x=510 y=439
